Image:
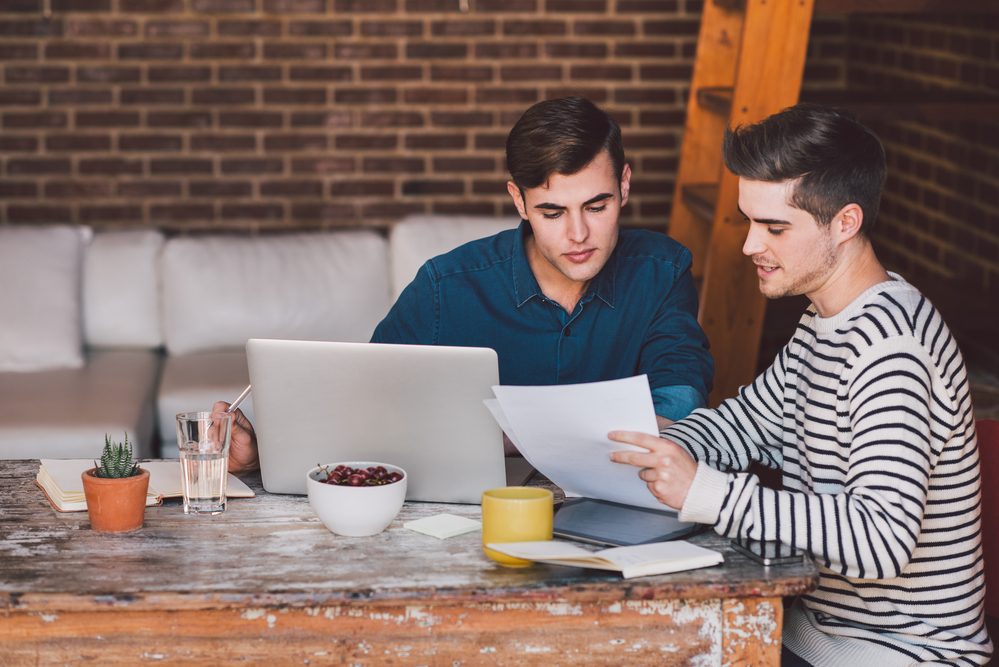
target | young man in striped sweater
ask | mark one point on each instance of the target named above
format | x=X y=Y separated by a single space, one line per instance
x=866 y=411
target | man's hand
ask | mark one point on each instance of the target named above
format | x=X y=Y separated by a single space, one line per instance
x=243 y=446
x=666 y=468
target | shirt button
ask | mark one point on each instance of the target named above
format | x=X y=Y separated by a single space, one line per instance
x=567 y=332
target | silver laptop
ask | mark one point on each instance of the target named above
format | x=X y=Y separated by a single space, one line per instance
x=415 y=406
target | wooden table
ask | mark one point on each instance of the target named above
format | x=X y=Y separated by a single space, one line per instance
x=267 y=584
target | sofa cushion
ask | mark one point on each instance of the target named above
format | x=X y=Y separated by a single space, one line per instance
x=220 y=291
x=193 y=382
x=121 y=304
x=40 y=271
x=66 y=413
x=417 y=238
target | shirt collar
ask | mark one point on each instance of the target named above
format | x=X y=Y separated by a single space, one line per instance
x=525 y=285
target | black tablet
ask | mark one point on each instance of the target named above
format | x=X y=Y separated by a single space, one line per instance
x=613 y=524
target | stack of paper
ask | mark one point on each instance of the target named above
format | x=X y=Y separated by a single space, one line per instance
x=443 y=526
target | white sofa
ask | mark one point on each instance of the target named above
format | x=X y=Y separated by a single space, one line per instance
x=115 y=332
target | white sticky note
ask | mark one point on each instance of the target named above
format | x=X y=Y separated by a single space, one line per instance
x=443 y=526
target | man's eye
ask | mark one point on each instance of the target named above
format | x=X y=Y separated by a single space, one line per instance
x=774 y=231
x=597 y=209
x=554 y=215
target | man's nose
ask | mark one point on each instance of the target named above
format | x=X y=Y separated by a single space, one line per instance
x=754 y=243
x=578 y=231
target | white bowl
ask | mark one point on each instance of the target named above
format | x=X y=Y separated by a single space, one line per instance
x=356 y=511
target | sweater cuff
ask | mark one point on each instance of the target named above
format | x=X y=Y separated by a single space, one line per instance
x=705 y=496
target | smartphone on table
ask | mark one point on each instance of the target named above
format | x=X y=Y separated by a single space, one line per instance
x=768 y=553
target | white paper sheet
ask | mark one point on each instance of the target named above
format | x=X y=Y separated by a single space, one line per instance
x=562 y=431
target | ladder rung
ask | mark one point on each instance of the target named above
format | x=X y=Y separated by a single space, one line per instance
x=717 y=99
x=701 y=198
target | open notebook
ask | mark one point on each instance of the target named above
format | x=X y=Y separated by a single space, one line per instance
x=61 y=481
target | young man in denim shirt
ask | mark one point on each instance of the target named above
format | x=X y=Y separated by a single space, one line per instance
x=567 y=297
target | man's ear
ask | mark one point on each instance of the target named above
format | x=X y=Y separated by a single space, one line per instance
x=625 y=184
x=518 y=199
x=848 y=222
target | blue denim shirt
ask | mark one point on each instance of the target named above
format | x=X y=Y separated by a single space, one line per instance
x=638 y=315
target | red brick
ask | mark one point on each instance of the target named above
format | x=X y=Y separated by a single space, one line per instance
x=321 y=119
x=394 y=165
x=366 y=6
x=606 y=72
x=34 y=119
x=322 y=211
x=38 y=166
x=77 y=189
x=366 y=142
x=249 y=28
x=461 y=73
x=352 y=51
x=576 y=50
x=295 y=51
x=491 y=141
x=320 y=28
x=436 y=141
x=322 y=165
x=25 y=6
x=616 y=28
x=300 y=73
x=223 y=96
x=62 y=6
x=365 y=96
x=650 y=6
x=143 y=189
x=102 y=28
x=461 y=118
x=194 y=119
x=291 y=189
x=576 y=6
x=463 y=28
x=435 y=96
x=18 y=52
x=595 y=95
x=673 y=118
x=392 y=73
x=20 y=213
x=182 y=212
x=31 y=28
x=392 y=119
x=464 y=208
x=506 y=95
x=672 y=27
x=20 y=97
x=177 y=29
x=250 y=73
x=77 y=142
x=294 y=6
x=9 y=189
x=531 y=73
x=426 y=51
x=489 y=187
x=390 y=210
x=520 y=28
x=257 y=119
x=107 y=74
x=491 y=50
x=644 y=96
x=634 y=140
x=296 y=142
x=294 y=96
x=79 y=96
x=150 y=142
x=391 y=28
x=110 y=213
x=152 y=96
x=21 y=74
x=426 y=187
x=520 y=6
x=220 y=188
x=110 y=166
x=18 y=144
x=361 y=188
x=222 y=6
x=182 y=166
x=189 y=74
x=464 y=164
x=150 y=51
x=270 y=211
x=655 y=187
x=428 y=6
x=223 y=51
x=669 y=72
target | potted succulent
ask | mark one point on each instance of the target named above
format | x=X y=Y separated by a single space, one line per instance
x=116 y=490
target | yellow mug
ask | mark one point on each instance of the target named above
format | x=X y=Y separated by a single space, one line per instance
x=515 y=514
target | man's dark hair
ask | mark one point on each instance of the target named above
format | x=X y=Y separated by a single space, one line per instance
x=838 y=160
x=561 y=137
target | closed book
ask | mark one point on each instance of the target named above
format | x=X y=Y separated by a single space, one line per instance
x=634 y=561
x=61 y=481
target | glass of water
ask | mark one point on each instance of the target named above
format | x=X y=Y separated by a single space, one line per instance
x=204 y=458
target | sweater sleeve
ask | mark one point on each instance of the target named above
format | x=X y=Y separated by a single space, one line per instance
x=868 y=525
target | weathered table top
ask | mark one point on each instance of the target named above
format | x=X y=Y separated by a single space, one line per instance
x=272 y=550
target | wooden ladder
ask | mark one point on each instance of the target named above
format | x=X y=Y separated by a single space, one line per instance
x=749 y=64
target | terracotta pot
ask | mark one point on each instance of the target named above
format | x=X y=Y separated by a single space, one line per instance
x=116 y=505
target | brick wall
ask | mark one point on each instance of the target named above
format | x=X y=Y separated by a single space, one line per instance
x=940 y=210
x=188 y=114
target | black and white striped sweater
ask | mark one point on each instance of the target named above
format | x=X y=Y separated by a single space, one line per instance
x=868 y=414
